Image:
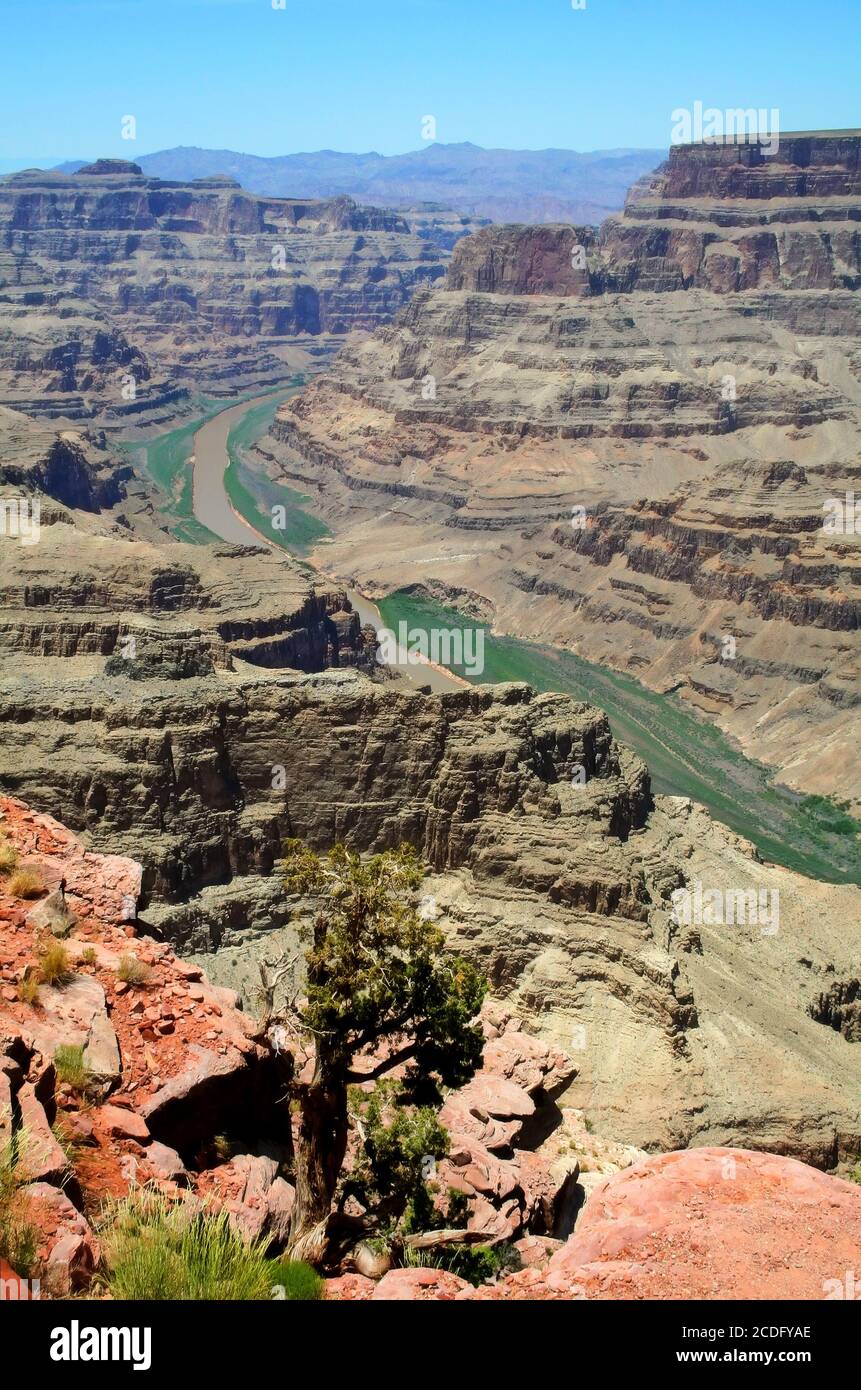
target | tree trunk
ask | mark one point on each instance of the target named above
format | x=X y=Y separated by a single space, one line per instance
x=321 y=1144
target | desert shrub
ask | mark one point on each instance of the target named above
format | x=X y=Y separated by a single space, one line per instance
x=167 y=1251
x=28 y=989
x=401 y=1145
x=8 y=856
x=88 y=955
x=70 y=1067
x=133 y=971
x=19 y=1239
x=26 y=884
x=477 y=1264
x=54 y=963
x=854 y=1174
x=301 y=1283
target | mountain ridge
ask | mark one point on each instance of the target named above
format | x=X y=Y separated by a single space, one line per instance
x=504 y=185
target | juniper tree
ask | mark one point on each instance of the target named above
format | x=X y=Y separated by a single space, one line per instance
x=380 y=987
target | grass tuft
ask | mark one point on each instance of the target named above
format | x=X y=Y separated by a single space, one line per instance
x=54 y=964
x=160 y=1250
x=71 y=1068
x=26 y=883
x=28 y=989
x=19 y=1239
x=133 y=971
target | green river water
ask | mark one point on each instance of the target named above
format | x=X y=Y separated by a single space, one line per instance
x=686 y=755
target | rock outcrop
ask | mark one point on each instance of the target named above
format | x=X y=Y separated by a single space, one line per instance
x=632 y=444
x=119 y=292
x=712 y=1224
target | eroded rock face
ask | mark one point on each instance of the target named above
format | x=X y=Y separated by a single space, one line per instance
x=714 y=1223
x=110 y=275
x=629 y=444
x=703 y=1224
x=560 y=892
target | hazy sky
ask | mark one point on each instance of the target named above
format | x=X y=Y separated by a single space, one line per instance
x=361 y=74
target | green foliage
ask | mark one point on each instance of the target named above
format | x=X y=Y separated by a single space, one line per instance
x=301 y=1283
x=167 y=1251
x=477 y=1264
x=854 y=1174
x=19 y=1239
x=133 y=971
x=832 y=816
x=377 y=972
x=401 y=1146
x=70 y=1067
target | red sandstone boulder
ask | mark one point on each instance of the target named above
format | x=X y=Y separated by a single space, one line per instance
x=68 y=1250
x=121 y=1123
x=714 y=1223
x=419 y=1286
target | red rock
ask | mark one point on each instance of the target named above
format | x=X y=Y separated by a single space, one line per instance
x=123 y=1124
x=418 y=1285
x=71 y=1264
x=716 y=1224
x=42 y=1159
x=535 y=1251
x=12 y=1288
x=68 y=1250
x=186 y=970
x=165 y=1163
x=349 y=1288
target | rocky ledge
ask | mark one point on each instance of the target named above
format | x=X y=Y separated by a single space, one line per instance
x=687 y=379
x=171 y=1063
x=107 y=275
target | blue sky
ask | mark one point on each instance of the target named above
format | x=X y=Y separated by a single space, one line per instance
x=361 y=74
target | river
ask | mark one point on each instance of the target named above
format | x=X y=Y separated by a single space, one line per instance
x=686 y=755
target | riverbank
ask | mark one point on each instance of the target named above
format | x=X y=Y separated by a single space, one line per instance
x=686 y=755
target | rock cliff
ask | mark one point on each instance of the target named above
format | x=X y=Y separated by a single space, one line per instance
x=108 y=276
x=629 y=443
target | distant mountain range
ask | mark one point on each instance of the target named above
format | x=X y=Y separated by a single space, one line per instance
x=503 y=185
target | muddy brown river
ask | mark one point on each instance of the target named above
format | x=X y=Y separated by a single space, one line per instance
x=213 y=508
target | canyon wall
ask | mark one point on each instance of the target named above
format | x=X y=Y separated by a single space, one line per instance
x=107 y=275
x=629 y=443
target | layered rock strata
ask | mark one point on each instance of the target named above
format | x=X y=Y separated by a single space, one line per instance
x=634 y=444
x=120 y=293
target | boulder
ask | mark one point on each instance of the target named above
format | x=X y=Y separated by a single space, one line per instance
x=42 y=1159
x=529 y=1063
x=120 y=1123
x=77 y=1016
x=715 y=1223
x=164 y=1163
x=419 y=1286
x=68 y=1250
x=53 y=914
